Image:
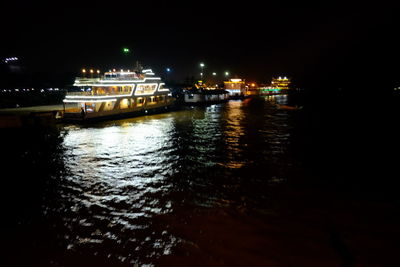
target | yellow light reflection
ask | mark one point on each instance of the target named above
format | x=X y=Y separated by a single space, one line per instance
x=233 y=131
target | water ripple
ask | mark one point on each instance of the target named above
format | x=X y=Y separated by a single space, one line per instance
x=122 y=175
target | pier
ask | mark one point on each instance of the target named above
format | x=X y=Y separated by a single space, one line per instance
x=30 y=116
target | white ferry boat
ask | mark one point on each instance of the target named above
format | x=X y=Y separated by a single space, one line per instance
x=117 y=93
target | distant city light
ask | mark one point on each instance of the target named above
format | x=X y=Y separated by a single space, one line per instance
x=214 y=73
x=168 y=69
x=202 y=65
x=226 y=73
x=6 y=60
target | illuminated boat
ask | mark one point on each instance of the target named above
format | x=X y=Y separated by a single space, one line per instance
x=196 y=96
x=236 y=88
x=117 y=93
x=200 y=93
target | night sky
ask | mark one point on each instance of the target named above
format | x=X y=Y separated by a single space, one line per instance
x=332 y=44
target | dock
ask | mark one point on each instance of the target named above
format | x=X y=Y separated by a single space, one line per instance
x=31 y=116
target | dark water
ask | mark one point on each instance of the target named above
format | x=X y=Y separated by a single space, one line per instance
x=234 y=184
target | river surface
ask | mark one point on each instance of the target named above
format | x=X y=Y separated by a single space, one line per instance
x=241 y=183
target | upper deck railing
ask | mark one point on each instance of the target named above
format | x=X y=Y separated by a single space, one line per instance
x=123 y=76
x=93 y=93
x=83 y=80
x=115 y=77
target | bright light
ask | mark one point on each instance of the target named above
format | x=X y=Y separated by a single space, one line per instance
x=168 y=69
x=226 y=73
x=98 y=71
x=89 y=101
x=214 y=73
x=125 y=50
x=202 y=65
x=83 y=70
x=91 y=71
x=112 y=82
x=10 y=59
x=125 y=73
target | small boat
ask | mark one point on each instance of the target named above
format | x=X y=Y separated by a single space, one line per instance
x=287 y=107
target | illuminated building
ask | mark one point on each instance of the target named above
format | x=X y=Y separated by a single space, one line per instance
x=235 y=87
x=117 y=93
x=280 y=83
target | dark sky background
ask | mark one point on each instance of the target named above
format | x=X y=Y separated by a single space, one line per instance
x=333 y=44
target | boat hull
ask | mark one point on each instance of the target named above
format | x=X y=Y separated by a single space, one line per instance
x=76 y=117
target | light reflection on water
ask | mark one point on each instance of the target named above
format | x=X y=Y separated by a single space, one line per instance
x=119 y=172
x=122 y=174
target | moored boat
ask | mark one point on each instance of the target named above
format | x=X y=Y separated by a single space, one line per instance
x=236 y=88
x=202 y=96
x=116 y=94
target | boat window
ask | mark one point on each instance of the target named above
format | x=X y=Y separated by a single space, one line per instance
x=162 y=88
x=145 y=89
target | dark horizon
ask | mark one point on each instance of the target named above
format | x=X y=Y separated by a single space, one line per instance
x=333 y=45
x=135 y=171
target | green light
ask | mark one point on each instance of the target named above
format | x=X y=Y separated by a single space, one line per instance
x=125 y=50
